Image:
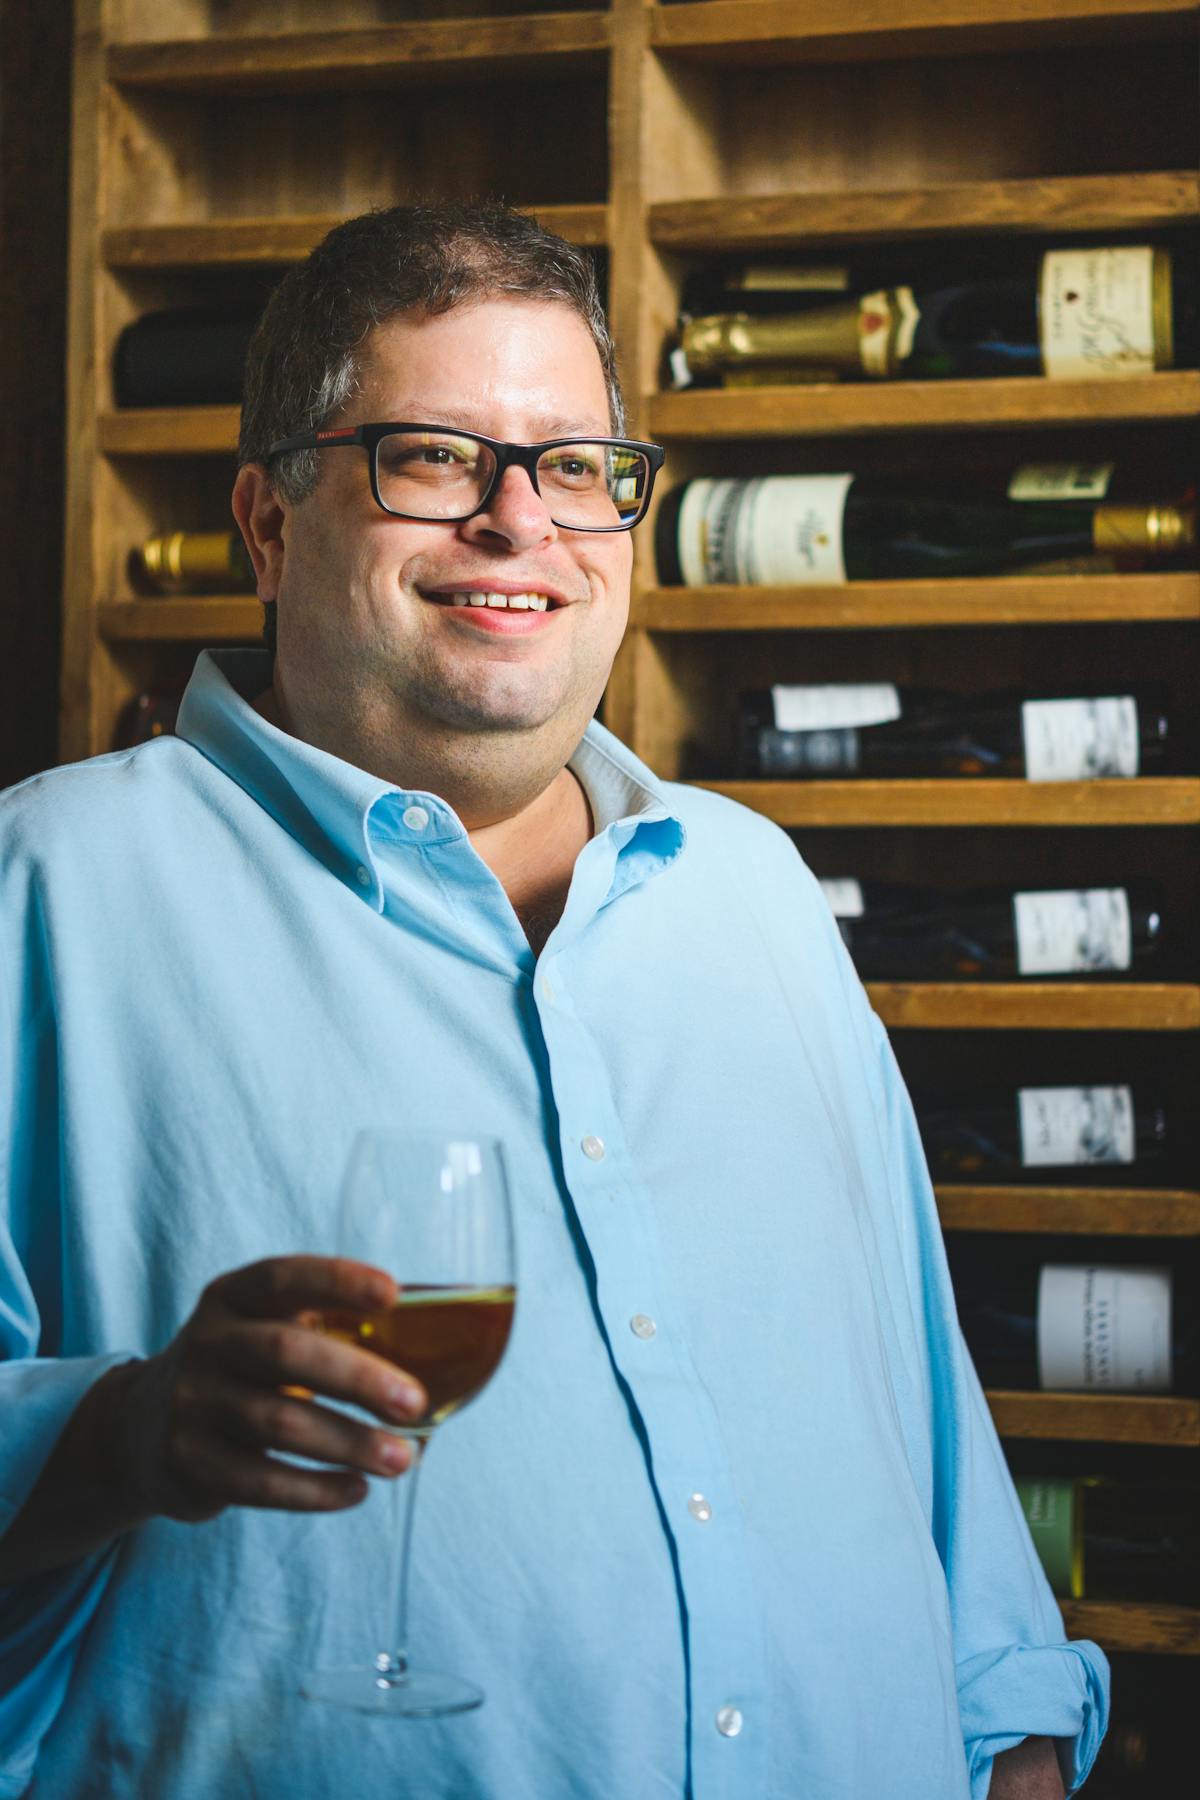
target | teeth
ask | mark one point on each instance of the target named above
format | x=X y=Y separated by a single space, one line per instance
x=519 y=602
x=458 y=599
x=478 y=599
x=537 y=602
x=496 y=599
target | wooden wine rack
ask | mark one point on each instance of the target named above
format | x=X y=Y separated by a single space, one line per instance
x=206 y=160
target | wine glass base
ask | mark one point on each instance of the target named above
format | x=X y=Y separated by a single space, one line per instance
x=419 y=1694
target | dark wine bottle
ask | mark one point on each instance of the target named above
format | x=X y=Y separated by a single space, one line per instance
x=184 y=356
x=1089 y=313
x=878 y=730
x=899 y=933
x=1103 y=1540
x=823 y=530
x=1037 y=1134
x=1073 y=1327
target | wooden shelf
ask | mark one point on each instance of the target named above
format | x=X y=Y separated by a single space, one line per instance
x=274 y=243
x=382 y=56
x=774 y=31
x=871 y=605
x=1036 y=1006
x=1099 y=1212
x=1134 y=1625
x=182 y=619
x=848 y=216
x=170 y=431
x=1097 y=1418
x=1151 y=800
x=832 y=409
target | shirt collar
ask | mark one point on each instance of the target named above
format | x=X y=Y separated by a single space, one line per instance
x=336 y=810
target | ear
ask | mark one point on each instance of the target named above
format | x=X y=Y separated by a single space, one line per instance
x=260 y=516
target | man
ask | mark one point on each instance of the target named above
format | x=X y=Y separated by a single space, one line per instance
x=731 y=1519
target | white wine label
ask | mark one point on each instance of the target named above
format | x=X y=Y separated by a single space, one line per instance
x=1096 y=312
x=835 y=707
x=772 y=531
x=843 y=897
x=1061 y=481
x=681 y=374
x=1067 y=1125
x=887 y=325
x=1101 y=1327
x=1080 y=740
x=1072 y=933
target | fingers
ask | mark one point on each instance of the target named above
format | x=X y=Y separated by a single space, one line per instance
x=213 y=1473
x=279 y=1286
x=287 y=1355
x=269 y=1421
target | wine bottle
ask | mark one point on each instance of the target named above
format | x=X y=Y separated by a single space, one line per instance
x=899 y=933
x=1090 y=313
x=1073 y=1327
x=1035 y=1134
x=186 y=562
x=815 y=530
x=878 y=730
x=184 y=356
x=1103 y=1540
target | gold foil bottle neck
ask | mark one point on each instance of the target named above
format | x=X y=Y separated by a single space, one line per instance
x=179 y=562
x=826 y=338
x=1144 y=531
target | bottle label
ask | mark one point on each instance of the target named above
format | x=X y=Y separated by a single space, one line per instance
x=835 y=706
x=1080 y=740
x=844 y=898
x=1055 y=1520
x=887 y=325
x=1100 y=1327
x=1069 y=1125
x=774 y=530
x=1061 y=481
x=1073 y=933
x=1096 y=312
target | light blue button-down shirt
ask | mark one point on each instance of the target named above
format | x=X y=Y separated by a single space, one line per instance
x=731 y=1521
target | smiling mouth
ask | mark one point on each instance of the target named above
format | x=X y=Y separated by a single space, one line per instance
x=529 y=602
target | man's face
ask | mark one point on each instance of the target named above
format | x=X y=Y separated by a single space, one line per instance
x=365 y=605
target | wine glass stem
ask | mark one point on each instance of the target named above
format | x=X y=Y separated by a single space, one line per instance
x=392 y=1665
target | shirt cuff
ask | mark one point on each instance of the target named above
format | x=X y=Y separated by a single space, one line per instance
x=1043 y=1690
x=37 y=1397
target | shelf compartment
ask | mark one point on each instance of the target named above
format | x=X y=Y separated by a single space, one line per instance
x=1149 y=800
x=1138 y=1626
x=1036 y=1006
x=212 y=618
x=867 y=605
x=1098 y=1212
x=382 y=56
x=170 y=431
x=274 y=243
x=1097 y=1418
x=774 y=31
x=802 y=221
x=831 y=409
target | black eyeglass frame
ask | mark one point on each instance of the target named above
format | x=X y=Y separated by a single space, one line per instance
x=522 y=456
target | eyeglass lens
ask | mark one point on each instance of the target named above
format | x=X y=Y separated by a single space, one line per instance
x=439 y=475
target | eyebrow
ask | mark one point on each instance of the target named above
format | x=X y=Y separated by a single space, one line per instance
x=546 y=426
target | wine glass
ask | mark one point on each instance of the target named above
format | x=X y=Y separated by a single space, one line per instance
x=432 y=1208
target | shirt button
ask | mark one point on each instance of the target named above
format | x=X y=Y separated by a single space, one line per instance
x=548 y=993
x=700 y=1509
x=593 y=1148
x=642 y=1326
x=416 y=818
x=729 y=1721
x=362 y=876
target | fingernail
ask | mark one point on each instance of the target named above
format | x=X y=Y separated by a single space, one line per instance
x=393 y=1453
x=405 y=1398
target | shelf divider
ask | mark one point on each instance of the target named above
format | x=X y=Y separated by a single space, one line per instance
x=1097 y=1418
x=1153 y=1629
x=1148 y=800
x=1098 y=1212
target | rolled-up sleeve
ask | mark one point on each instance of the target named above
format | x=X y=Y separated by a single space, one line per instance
x=1017 y=1675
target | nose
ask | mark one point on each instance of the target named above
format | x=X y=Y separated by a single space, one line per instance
x=515 y=516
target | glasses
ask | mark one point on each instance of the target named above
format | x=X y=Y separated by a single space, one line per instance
x=431 y=473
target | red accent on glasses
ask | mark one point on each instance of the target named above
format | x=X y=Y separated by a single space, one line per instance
x=343 y=431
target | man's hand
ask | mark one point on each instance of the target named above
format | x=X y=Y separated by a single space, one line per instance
x=200 y=1426
x=1029 y=1771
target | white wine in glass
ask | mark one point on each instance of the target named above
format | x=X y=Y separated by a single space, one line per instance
x=433 y=1209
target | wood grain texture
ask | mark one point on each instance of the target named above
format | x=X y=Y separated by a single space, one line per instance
x=1152 y=800
x=277 y=242
x=212 y=618
x=1099 y=1212
x=170 y=431
x=802 y=221
x=871 y=605
x=1097 y=1418
x=1036 y=1006
x=377 y=56
x=831 y=409
x=1138 y=1626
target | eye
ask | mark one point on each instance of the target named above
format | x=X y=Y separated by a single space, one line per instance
x=575 y=465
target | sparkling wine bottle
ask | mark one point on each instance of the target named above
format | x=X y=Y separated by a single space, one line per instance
x=878 y=730
x=900 y=933
x=1073 y=1327
x=823 y=530
x=1039 y=1134
x=1104 y=1540
x=1092 y=313
x=194 y=562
